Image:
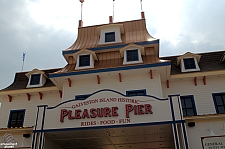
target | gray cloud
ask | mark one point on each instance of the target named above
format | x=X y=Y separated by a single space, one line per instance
x=202 y=29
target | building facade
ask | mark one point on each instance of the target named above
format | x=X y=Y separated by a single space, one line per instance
x=117 y=93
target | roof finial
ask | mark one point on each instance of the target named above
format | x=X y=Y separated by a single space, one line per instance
x=81 y=7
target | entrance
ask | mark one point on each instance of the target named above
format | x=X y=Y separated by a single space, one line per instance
x=136 y=137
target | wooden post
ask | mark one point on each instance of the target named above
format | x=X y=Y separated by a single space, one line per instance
x=98 y=79
x=28 y=96
x=40 y=95
x=60 y=93
x=10 y=98
x=151 y=74
x=195 y=81
x=69 y=82
x=120 y=77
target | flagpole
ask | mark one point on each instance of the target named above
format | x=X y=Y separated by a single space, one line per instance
x=24 y=54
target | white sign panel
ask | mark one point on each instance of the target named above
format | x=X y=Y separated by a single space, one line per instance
x=217 y=142
x=107 y=108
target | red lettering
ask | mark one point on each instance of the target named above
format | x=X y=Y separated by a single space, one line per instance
x=140 y=111
x=70 y=117
x=107 y=111
x=135 y=110
x=93 y=112
x=129 y=108
x=114 y=111
x=85 y=114
x=148 y=109
x=64 y=113
x=77 y=114
x=99 y=111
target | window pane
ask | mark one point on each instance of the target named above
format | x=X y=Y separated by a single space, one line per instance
x=131 y=94
x=224 y=99
x=110 y=37
x=184 y=112
x=188 y=102
x=140 y=93
x=84 y=60
x=190 y=112
x=189 y=63
x=219 y=100
x=35 y=79
x=19 y=124
x=183 y=103
x=221 y=109
x=14 y=116
x=20 y=116
x=13 y=124
x=132 y=55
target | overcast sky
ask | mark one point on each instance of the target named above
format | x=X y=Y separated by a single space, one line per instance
x=43 y=28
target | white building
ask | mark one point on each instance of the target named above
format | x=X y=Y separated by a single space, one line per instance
x=117 y=93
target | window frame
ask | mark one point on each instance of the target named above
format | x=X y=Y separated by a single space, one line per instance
x=193 y=105
x=10 y=117
x=136 y=91
x=113 y=39
x=215 y=103
x=89 y=61
x=82 y=96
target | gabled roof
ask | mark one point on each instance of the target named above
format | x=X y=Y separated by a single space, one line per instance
x=21 y=80
x=211 y=61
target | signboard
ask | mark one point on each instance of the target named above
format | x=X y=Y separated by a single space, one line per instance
x=105 y=109
x=213 y=142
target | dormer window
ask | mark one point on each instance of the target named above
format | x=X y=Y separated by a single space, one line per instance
x=110 y=33
x=84 y=60
x=110 y=37
x=35 y=79
x=189 y=63
x=132 y=55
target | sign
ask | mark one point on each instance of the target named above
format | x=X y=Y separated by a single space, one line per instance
x=106 y=108
x=213 y=142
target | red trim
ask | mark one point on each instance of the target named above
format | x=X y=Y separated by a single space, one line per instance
x=98 y=78
x=28 y=96
x=151 y=74
x=168 y=84
x=40 y=95
x=69 y=82
x=60 y=93
x=195 y=81
x=204 y=80
x=10 y=98
x=120 y=77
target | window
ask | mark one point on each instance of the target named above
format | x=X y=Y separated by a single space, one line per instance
x=132 y=55
x=188 y=105
x=110 y=37
x=84 y=60
x=35 y=79
x=219 y=101
x=189 y=63
x=16 y=118
x=136 y=93
x=81 y=97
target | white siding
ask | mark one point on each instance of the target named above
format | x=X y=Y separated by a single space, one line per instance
x=202 y=93
x=21 y=102
x=129 y=82
x=201 y=129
